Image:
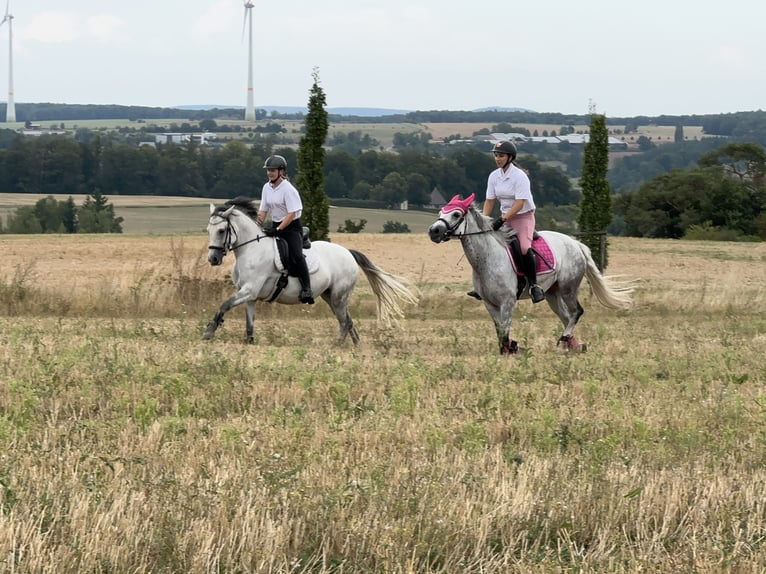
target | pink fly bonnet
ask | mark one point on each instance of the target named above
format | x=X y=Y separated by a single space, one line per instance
x=457 y=203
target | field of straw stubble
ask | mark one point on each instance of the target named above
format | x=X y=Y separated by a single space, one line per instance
x=130 y=445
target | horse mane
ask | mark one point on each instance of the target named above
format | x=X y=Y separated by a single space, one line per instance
x=484 y=223
x=245 y=204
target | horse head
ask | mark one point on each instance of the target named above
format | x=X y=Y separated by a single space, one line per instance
x=451 y=220
x=230 y=227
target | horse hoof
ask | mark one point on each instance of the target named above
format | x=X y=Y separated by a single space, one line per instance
x=570 y=344
x=209 y=332
x=510 y=348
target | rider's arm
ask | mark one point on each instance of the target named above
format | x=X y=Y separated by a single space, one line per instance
x=515 y=208
x=287 y=220
x=488 y=205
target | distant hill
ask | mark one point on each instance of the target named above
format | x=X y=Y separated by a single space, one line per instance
x=502 y=109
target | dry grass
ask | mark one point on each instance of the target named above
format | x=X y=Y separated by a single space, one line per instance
x=129 y=445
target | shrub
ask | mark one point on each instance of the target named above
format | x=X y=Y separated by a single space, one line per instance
x=395 y=227
x=349 y=226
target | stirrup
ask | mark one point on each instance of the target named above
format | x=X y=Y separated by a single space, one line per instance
x=307 y=296
x=474 y=294
x=536 y=293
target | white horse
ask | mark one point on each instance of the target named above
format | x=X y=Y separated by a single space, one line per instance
x=496 y=280
x=259 y=274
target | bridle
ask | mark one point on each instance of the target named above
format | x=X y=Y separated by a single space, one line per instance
x=230 y=238
x=452 y=229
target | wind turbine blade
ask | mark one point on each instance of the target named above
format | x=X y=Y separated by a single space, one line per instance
x=244 y=21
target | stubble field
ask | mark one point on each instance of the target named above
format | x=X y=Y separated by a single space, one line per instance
x=130 y=445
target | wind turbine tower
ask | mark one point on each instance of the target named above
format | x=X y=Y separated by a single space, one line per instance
x=10 y=111
x=250 y=107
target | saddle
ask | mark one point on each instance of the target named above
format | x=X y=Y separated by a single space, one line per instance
x=544 y=259
x=286 y=269
x=282 y=249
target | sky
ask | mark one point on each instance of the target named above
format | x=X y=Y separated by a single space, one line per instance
x=617 y=57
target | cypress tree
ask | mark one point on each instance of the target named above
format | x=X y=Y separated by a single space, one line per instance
x=310 y=179
x=596 y=203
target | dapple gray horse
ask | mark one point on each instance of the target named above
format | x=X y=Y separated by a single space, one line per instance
x=495 y=279
x=256 y=273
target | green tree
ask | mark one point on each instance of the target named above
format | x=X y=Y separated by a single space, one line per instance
x=678 y=135
x=418 y=190
x=596 y=205
x=23 y=220
x=97 y=216
x=310 y=180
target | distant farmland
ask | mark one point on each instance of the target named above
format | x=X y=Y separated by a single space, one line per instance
x=151 y=214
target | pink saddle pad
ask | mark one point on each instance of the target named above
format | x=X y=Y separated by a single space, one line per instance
x=546 y=261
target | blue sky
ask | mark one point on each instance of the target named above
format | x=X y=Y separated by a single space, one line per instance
x=628 y=58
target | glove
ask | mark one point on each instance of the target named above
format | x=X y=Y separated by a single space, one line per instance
x=497 y=224
x=270 y=232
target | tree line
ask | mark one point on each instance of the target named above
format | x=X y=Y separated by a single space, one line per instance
x=50 y=215
x=52 y=165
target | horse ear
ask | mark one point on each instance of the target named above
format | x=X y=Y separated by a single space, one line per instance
x=227 y=213
x=466 y=203
x=212 y=209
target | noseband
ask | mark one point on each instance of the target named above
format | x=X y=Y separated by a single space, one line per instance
x=230 y=240
x=452 y=229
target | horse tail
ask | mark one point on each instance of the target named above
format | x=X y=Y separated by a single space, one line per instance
x=609 y=292
x=389 y=289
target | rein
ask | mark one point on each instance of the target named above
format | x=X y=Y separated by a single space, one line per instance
x=452 y=233
x=228 y=245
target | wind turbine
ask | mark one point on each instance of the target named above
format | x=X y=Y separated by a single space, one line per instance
x=250 y=108
x=10 y=110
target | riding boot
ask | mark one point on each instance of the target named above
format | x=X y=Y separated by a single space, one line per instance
x=306 y=295
x=530 y=270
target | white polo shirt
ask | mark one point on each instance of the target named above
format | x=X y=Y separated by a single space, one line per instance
x=508 y=186
x=281 y=200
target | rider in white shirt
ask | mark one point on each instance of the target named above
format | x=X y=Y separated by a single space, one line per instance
x=280 y=198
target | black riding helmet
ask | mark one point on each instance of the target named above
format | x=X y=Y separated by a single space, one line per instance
x=505 y=147
x=275 y=162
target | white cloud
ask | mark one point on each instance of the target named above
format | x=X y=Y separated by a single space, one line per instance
x=52 y=27
x=105 y=27
x=217 y=19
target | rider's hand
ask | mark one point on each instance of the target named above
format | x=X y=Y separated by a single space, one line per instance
x=270 y=231
x=498 y=223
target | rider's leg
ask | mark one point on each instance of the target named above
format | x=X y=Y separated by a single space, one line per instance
x=530 y=270
x=524 y=225
x=294 y=238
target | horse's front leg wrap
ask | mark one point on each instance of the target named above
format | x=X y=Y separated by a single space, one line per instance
x=218 y=319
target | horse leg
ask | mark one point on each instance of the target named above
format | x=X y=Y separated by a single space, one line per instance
x=565 y=304
x=249 y=317
x=237 y=299
x=502 y=316
x=339 y=306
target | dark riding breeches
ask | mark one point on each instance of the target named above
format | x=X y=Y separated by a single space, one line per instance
x=293 y=235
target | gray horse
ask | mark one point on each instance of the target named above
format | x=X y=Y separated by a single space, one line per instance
x=257 y=275
x=496 y=280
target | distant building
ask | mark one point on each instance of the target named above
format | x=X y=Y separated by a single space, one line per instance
x=171 y=138
x=437 y=199
x=181 y=138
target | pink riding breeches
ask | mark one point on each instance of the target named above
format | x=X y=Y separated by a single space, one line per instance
x=524 y=224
